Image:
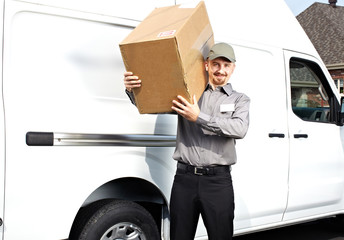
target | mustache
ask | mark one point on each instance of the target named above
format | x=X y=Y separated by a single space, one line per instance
x=220 y=75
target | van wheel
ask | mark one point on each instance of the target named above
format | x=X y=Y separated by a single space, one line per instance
x=340 y=222
x=122 y=220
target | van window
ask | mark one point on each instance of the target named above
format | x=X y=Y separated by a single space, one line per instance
x=309 y=99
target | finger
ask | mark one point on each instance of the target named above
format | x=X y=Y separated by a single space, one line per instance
x=132 y=81
x=133 y=86
x=178 y=104
x=129 y=78
x=128 y=74
x=183 y=100
x=178 y=110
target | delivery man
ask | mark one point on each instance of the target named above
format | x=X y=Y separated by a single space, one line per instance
x=205 y=150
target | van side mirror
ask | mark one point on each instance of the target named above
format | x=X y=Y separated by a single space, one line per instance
x=341 y=115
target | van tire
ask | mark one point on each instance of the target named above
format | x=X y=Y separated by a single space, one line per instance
x=340 y=222
x=120 y=220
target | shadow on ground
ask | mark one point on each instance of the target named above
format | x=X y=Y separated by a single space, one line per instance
x=327 y=229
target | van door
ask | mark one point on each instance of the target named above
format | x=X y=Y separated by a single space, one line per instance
x=260 y=176
x=316 y=180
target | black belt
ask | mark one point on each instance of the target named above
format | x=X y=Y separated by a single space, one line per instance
x=207 y=170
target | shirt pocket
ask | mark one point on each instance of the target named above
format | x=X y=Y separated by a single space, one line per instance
x=227 y=107
x=226 y=110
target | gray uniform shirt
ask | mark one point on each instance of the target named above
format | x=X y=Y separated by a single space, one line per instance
x=224 y=117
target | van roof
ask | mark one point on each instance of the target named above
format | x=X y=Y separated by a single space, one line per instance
x=264 y=22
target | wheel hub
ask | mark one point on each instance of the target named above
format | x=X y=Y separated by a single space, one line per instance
x=124 y=231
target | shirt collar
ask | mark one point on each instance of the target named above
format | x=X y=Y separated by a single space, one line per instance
x=226 y=88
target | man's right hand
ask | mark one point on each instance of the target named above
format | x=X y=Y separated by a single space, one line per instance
x=131 y=81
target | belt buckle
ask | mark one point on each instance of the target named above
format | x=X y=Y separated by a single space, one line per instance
x=196 y=172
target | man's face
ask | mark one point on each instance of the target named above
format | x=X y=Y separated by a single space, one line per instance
x=219 y=70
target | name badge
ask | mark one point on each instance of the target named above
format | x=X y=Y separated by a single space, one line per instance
x=227 y=107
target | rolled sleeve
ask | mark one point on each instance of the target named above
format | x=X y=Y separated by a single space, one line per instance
x=131 y=96
x=234 y=125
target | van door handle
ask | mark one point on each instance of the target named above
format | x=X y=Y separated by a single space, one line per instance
x=300 y=135
x=278 y=135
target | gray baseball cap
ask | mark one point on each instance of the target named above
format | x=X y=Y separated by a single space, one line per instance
x=222 y=50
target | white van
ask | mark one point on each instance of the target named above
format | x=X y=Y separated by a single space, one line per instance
x=79 y=162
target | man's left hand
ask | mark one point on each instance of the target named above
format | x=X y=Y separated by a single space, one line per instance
x=189 y=111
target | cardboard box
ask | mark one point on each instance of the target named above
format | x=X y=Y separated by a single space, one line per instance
x=166 y=50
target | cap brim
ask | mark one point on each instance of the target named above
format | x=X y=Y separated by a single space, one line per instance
x=213 y=56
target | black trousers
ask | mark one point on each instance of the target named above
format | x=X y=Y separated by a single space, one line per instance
x=210 y=195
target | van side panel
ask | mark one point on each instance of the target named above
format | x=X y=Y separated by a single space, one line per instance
x=64 y=73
